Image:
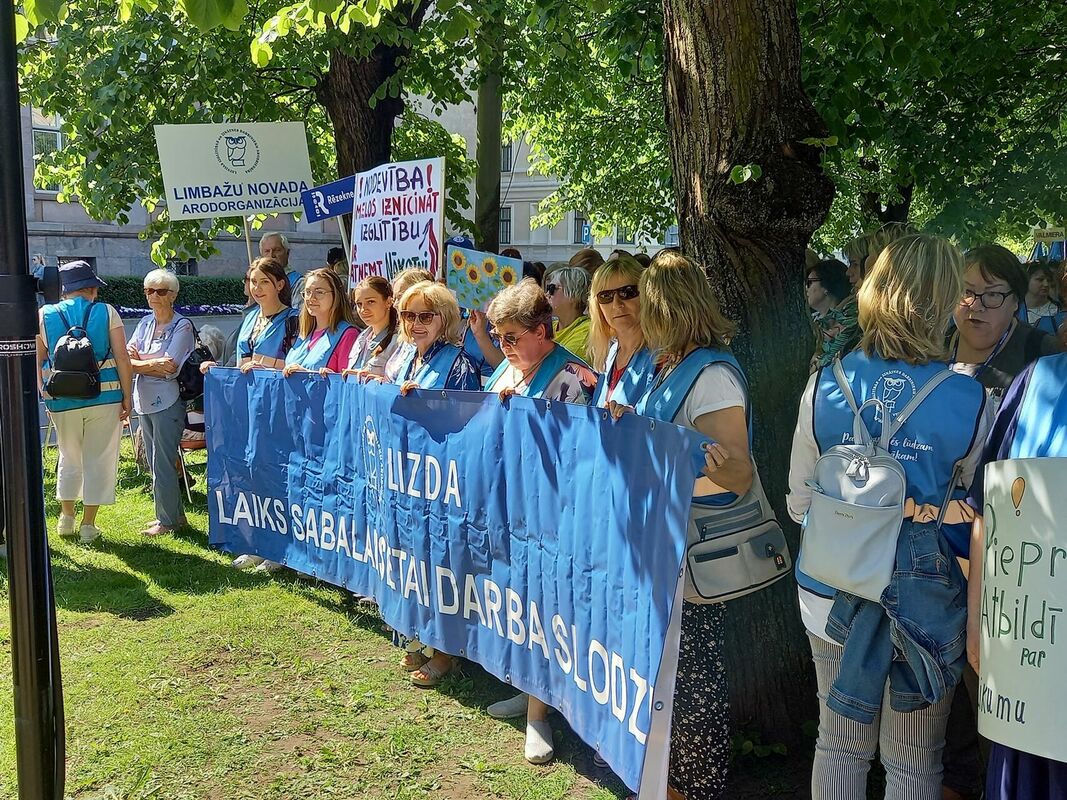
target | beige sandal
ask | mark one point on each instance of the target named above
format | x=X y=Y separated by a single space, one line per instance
x=413 y=660
x=428 y=676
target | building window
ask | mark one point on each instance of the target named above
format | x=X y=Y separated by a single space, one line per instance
x=581 y=228
x=623 y=236
x=504 y=234
x=182 y=266
x=47 y=138
x=670 y=238
x=505 y=158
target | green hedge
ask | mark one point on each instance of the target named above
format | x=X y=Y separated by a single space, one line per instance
x=128 y=290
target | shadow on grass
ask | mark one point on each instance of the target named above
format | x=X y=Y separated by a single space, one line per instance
x=93 y=588
x=181 y=573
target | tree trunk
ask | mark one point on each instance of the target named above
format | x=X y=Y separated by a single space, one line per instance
x=897 y=211
x=363 y=135
x=734 y=97
x=487 y=183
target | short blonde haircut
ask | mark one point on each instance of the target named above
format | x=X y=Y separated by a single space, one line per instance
x=524 y=304
x=600 y=331
x=162 y=279
x=678 y=308
x=907 y=299
x=436 y=298
x=340 y=311
x=407 y=278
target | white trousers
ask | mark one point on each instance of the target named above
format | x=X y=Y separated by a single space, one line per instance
x=88 y=453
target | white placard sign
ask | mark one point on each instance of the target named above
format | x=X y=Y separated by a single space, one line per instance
x=1048 y=235
x=233 y=169
x=1021 y=698
x=398 y=219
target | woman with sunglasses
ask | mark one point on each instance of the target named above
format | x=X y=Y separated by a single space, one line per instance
x=567 y=288
x=616 y=343
x=828 y=294
x=326 y=330
x=430 y=322
x=534 y=366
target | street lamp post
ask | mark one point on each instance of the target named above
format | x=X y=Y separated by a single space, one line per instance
x=39 y=733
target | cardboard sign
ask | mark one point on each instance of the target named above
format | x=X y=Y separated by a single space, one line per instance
x=398 y=219
x=1047 y=235
x=329 y=200
x=478 y=277
x=1021 y=702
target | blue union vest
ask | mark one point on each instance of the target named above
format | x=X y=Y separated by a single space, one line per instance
x=1046 y=324
x=271 y=342
x=638 y=377
x=99 y=332
x=1041 y=426
x=434 y=372
x=549 y=369
x=315 y=356
x=933 y=439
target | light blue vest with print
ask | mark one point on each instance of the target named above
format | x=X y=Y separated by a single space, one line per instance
x=433 y=374
x=1041 y=426
x=638 y=377
x=931 y=442
x=1046 y=324
x=271 y=341
x=315 y=356
x=546 y=373
x=99 y=332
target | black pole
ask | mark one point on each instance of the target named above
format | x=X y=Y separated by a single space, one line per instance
x=34 y=650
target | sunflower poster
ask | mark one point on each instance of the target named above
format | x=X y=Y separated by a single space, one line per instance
x=478 y=277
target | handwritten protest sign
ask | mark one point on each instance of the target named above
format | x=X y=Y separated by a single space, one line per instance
x=233 y=169
x=1021 y=700
x=478 y=277
x=398 y=219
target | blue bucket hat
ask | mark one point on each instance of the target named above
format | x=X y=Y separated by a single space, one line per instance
x=76 y=275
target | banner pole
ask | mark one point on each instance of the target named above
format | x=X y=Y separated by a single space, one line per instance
x=248 y=239
x=344 y=239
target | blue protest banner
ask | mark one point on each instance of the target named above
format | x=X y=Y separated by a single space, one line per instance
x=541 y=540
x=329 y=200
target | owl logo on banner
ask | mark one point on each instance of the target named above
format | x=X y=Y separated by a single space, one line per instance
x=373 y=461
x=237 y=151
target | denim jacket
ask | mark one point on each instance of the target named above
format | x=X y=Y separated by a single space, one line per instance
x=916 y=637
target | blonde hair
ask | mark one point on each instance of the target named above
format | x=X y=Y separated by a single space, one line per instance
x=679 y=308
x=524 y=304
x=600 y=331
x=407 y=278
x=436 y=298
x=907 y=299
x=340 y=311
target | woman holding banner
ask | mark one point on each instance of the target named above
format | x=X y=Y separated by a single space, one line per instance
x=699 y=386
x=403 y=281
x=429 y=321
x=616 y=343
x=326 y=330
x=379 y=340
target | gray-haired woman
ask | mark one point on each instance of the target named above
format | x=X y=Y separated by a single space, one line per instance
x=567 y=288
x=159 y=346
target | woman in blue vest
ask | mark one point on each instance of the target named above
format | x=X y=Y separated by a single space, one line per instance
x=616 y=345
x=904 y=309
x=326 y=330
x=269 y=331
x=87 y=430
x=1038 y=309
x=403 y=281
x=429 y=321
x=379 y=340
x=1031 y=423
x=158 y=348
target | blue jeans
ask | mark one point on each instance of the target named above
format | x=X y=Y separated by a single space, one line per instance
x=162 y=432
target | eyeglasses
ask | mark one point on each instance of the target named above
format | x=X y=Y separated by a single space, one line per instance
x=990 y=300
x=510 y=339
x=318 y=294
x=149 y=291
x=628 y=292
x=810 y=281
x=424 y=317
x=551 y=289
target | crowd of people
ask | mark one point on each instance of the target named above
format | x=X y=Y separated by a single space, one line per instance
x=623 y=334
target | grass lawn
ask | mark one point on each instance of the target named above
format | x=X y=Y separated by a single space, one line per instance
x=187 y=679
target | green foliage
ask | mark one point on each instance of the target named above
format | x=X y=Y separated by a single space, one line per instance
x=128 y=291
x=750 y=743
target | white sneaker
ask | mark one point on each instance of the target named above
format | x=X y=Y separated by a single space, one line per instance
x=268 y=566
x=539 y=749
x=66 y=526
x=509 y=709
x=247 y=561
x=89 y=533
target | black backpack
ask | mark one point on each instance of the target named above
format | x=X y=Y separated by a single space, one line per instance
x=190 y=379
x=75 y=370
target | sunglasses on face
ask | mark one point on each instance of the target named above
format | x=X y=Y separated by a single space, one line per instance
x=149 y=291
x=628 y=292
x=551 y=289
x=510 y=339
x=810 y=281
x=424 y=317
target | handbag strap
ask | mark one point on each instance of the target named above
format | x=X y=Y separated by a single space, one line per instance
x=917 y=400
x=860 y=432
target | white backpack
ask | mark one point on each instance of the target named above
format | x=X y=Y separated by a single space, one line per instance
x=857 y=502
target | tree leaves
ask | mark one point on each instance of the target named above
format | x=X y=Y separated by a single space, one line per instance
x=40 y=11
x=22 y=28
